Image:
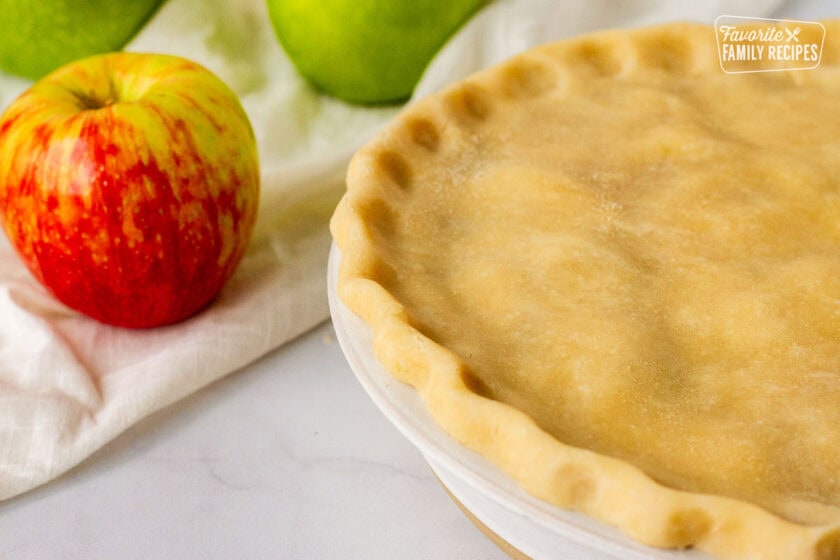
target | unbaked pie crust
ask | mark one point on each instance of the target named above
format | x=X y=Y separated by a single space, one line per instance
x=614 y=271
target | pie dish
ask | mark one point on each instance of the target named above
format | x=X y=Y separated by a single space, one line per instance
x=533 y=527
x=614 y=271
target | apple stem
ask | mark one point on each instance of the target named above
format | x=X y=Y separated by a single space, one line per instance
x=94 y=100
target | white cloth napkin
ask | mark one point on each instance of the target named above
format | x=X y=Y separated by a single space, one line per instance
x=68 y=385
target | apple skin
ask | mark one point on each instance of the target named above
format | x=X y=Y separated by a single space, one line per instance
x=41 y=35
x=129 y=185
x=368 y=52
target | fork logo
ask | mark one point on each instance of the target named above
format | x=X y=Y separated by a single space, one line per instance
x=768 y=45
x=793 y=34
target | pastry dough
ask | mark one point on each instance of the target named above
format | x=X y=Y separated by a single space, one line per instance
x=614 y=271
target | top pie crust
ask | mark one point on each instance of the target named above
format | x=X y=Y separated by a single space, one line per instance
x=614 y=271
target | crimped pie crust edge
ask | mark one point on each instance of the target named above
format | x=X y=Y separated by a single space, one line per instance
x=608 y=489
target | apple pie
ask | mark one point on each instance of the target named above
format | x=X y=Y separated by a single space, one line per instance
x=614 y=271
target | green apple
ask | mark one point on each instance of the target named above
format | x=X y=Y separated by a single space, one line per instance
x=366 y=51
x=38 y=36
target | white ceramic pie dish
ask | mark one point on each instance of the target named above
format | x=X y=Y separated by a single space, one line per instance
x=536 y=528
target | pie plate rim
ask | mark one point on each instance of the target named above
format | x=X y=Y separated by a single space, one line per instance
x=472 y=478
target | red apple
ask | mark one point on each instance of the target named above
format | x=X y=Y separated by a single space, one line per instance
x=129 y=186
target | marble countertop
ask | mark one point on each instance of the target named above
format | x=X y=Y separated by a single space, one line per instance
x=287 y=458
